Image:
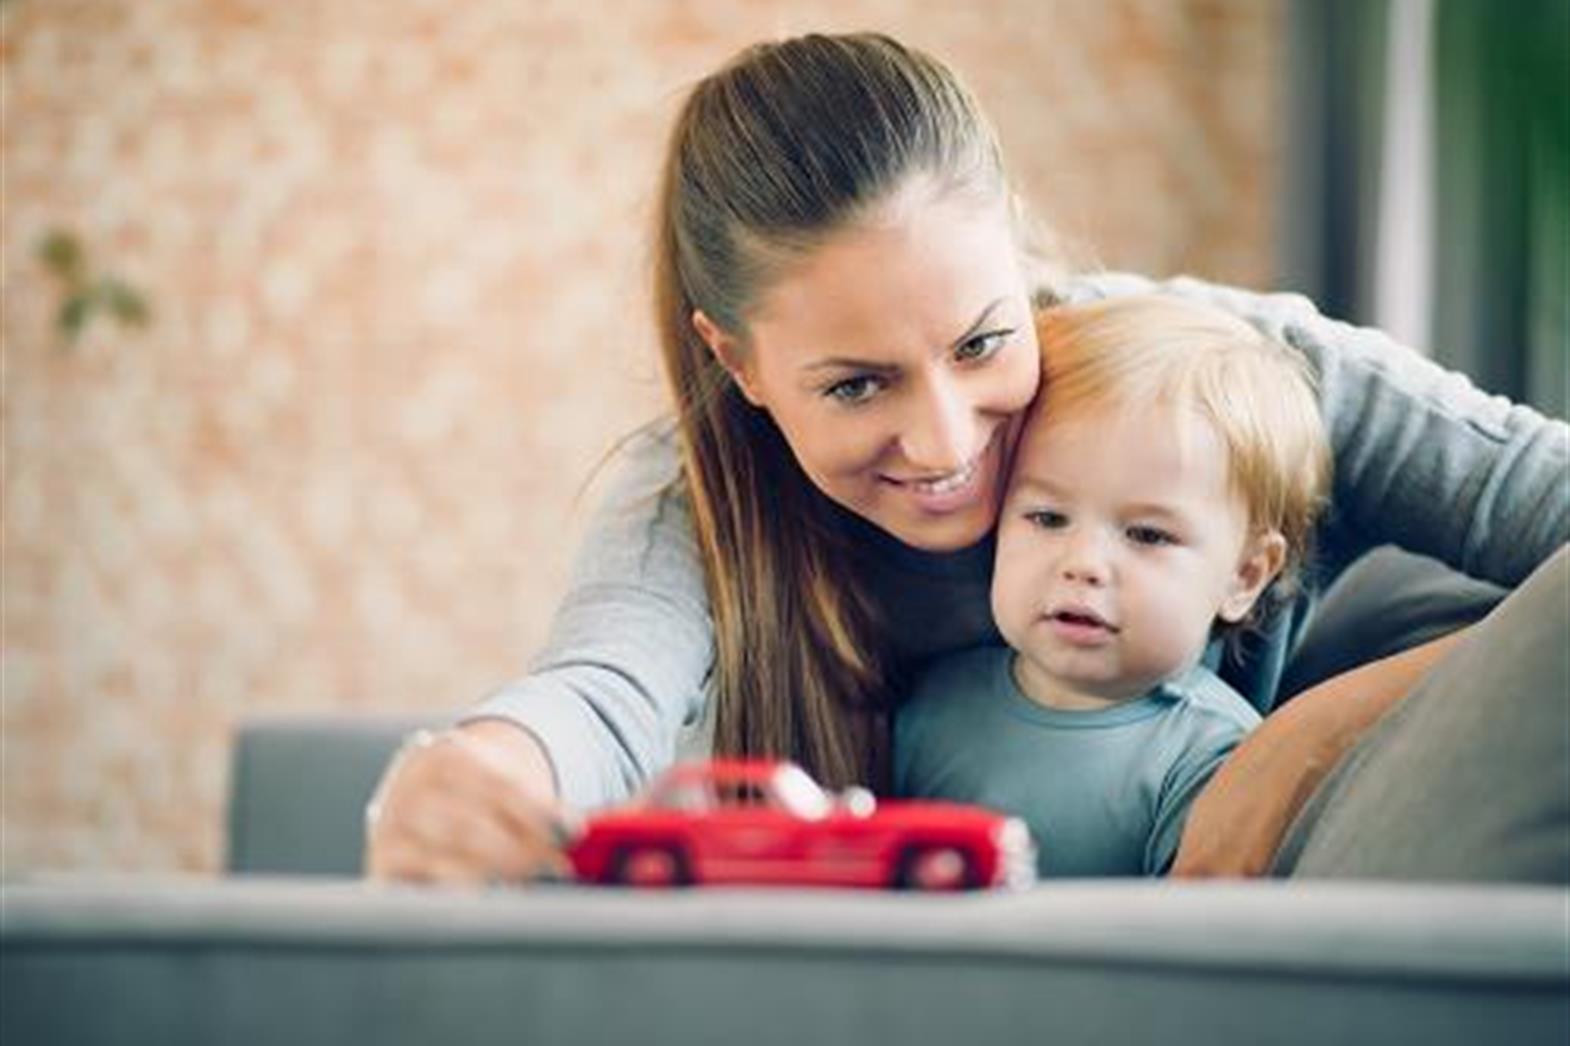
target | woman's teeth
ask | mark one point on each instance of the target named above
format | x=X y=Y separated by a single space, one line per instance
x=953 y=481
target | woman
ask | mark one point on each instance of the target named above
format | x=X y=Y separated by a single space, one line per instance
x=845 y=303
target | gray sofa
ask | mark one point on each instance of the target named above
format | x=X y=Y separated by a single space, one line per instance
x=288 y=947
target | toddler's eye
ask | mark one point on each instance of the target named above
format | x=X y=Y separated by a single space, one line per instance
x=1047 y=519
x=982 y=346
x=1151 y=536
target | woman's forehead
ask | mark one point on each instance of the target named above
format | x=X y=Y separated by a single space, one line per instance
x=922 y=276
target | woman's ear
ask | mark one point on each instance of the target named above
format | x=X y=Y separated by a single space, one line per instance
x=1262 y=558
x=729 y=353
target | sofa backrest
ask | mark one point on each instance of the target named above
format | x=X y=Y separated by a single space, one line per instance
x=298 y=791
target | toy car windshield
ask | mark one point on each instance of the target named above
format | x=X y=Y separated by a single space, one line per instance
x=789 y=788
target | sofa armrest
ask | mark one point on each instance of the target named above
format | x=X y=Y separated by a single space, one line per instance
x=299 y=787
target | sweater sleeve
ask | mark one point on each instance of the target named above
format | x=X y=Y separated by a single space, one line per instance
x=626 y=662
x=1423 y=459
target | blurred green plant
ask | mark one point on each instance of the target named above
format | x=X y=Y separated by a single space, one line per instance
x=87 y=294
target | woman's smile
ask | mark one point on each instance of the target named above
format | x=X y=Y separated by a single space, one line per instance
x=957 y=490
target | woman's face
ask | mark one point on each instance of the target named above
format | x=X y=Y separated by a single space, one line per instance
x=897 y=359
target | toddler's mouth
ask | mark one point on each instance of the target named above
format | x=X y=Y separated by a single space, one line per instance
x=1079 y=617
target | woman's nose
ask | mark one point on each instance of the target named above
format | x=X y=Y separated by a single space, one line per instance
x=940 y=431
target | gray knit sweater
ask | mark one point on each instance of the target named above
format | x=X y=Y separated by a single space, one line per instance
x=1423 y=460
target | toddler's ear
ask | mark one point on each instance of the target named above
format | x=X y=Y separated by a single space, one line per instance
x=1263 y=555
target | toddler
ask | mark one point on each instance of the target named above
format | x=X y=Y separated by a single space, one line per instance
x=1163 y=490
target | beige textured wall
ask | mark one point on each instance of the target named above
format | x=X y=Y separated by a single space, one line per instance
x=395 y=250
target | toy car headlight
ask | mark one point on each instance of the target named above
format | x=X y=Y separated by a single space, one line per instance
x=1013 y=839
x=1018 y=851
x=1012 y=836
x=858 y=801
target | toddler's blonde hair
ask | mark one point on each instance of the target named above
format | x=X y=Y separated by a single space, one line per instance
x=1128 y=353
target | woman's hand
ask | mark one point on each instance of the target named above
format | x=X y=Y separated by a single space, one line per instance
x=1241 y=816
x=474 y=804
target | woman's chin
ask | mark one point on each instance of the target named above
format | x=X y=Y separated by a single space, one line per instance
x=950 y=532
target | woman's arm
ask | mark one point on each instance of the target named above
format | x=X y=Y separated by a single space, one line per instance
x=1240 y=818
x=623 y=670
x=630 y=646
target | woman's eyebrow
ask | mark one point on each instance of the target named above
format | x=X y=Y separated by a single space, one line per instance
x=979 y=322
x=851 y=363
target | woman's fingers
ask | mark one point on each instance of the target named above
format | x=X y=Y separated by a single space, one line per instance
x=510 y=795
x=452 y=808
x=493 y=832
x=458 y=844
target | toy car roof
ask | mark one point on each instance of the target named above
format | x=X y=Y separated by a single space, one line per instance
x=756 y=770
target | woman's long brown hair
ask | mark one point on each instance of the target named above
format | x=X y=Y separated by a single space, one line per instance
x=787 y=145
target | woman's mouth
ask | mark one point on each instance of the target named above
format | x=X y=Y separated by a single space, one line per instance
x=954 y=490
x=946 y=484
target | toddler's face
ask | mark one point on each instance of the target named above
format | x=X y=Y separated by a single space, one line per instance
x=1119 y=546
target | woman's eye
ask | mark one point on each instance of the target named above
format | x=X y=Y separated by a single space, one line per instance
x=1047 y=519
x=982 y=346
x=1151 y=536
x=853 y=390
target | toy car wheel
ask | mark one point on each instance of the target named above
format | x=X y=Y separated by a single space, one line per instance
x=650 y=865
x=938 y=867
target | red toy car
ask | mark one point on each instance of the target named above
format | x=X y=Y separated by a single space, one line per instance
x=768 y=822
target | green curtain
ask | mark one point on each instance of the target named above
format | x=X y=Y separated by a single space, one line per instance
x=1502 y=238
x=1332 y=132
x=1501 y=192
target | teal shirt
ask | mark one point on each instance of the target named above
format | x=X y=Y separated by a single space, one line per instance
x=1104 y=791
